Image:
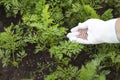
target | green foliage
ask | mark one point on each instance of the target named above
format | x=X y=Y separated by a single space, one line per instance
x=11 y=44
x=51 y=77
x=37 y=28
x=116 y=7
x=65 y=48
x=88 y=72
x=13 y=7
x=107 y=15
x=111 y=53
x=94 y=3
x=47 y=32
x=50 y=36
x=79 y=13
x=90 y=12
x=75 y=11
x=68 y=73
x=91 y=71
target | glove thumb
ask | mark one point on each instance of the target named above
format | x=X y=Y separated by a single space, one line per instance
x=79 y=26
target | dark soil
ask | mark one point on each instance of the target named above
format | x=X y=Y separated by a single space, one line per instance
x=6 y=21
x=113 y=76
x=27 y=68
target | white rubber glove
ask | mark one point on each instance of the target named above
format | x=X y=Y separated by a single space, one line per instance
x=99 y=31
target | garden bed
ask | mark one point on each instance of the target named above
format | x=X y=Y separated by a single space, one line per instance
x=33 y=43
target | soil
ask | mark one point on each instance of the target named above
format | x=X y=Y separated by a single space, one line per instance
x=6 y=21
x=29 y=68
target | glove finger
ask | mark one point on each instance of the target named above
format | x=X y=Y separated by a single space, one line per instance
x=78 y=40
x=82 y=41
x=83 y=25
x=73 y=34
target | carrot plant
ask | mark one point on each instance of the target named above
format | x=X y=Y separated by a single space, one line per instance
x=65 y=48
x=91 y=71
x=12 y=45
x=13 y=7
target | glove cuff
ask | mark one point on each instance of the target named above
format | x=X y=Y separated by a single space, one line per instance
x=113 y=35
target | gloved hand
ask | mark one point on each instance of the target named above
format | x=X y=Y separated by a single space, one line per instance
x=99 y=31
